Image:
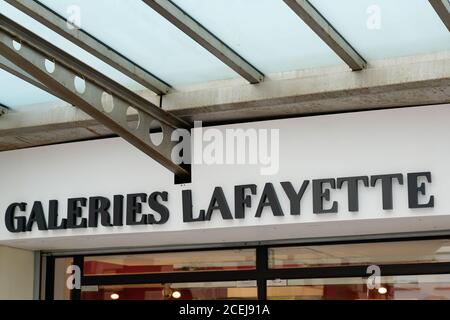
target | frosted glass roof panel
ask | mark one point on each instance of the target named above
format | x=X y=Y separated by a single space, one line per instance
x=135 y=30
x=62 y=43
x=15 y=92
x=380 y=29
x=267 y=33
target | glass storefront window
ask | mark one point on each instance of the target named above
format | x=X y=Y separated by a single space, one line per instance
x=230 y=290
x=61 y=291
x=152 y=276
x=425 y=251
x=219 y=260
x=422 y=287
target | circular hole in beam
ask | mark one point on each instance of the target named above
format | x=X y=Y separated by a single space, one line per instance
x=17 y=45
x=132 y=118
x=107 y=102
x=156 y=133
x=49 y=65
x=80 y=84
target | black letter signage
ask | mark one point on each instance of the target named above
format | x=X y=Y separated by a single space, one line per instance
x=413 y=190
x=319 y=195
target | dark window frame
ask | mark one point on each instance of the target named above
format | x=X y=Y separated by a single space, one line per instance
x=260 y=274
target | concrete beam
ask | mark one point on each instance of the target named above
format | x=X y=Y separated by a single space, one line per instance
x=400 y=82
x=84 y=40
x=327 y=33
x=206 y=39
x=397 y=82
x=442 y=8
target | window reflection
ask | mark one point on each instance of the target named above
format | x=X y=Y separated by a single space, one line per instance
x=394 y=287
x=427 y=251
x=230 y=290
x=422 y=287
x=61 y=291
x=192 y=261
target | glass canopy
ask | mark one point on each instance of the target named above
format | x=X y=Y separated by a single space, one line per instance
x=16 y=95
x=266 y=33
x=135 y=30
x=387 y=28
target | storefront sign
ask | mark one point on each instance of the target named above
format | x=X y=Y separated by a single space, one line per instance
x=110 y=212
x=344 y=175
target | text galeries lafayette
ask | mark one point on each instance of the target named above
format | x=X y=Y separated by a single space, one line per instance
x=129 y=209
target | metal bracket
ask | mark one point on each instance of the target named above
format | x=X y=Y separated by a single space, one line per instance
x=121 y=110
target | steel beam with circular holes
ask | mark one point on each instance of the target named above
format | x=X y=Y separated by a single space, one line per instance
x=121 y=110
x=88 y=42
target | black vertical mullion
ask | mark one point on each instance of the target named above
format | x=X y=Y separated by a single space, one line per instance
x=79 y=262
x=50 y=278
x=262 y=266
x=41 y=278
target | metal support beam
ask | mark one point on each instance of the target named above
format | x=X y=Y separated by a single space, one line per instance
x=102 y=98
x=57 y=23
x=442 y=8
x=3 y=109
x=206 y=39
x=10 y=67
x=327 y=33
